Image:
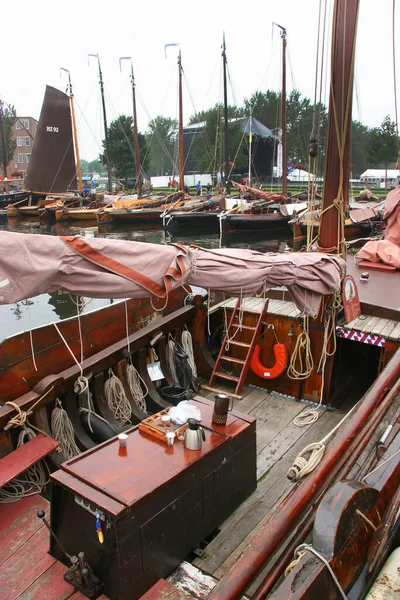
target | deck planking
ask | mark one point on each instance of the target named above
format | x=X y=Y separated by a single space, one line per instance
x=29 y=573
x=387 y=328
x=280 y=442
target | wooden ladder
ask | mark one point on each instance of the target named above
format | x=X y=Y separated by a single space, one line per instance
x=233 y=327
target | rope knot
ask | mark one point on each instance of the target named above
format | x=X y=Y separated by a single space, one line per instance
x=302 y=465
x=20 y=418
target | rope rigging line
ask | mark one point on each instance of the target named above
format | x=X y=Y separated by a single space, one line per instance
x=302 y=551
x=394 y=79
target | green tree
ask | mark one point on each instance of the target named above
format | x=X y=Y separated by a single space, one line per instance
x=121 y=147
x=301 y=120
x=383 y=145
x=9 y=117
x=360 y=136
x=95 y=166
x=162 y=140
x=265 y=107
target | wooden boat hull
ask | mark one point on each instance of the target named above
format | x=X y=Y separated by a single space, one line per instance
x=11 y=197
x=351 y=229
x=76 y=214
x=23 y=212
x=132 y=216
x=208 y=219
x=249 y=222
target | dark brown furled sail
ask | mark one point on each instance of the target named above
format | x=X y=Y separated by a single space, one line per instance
x=52 y=166
x=337 y=161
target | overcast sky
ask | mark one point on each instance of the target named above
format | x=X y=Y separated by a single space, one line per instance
x=39 y=37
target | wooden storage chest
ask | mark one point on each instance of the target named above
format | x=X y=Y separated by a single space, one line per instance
x=156 y=502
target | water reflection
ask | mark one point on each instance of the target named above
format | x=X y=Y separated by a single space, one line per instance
x=60 y=305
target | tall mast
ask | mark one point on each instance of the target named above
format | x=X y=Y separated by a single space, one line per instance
x=283 y=111
x=284 y=143
x=181 y=152
x=78 y=158
x=180 y=139
x=3 y=141
x=337 y=161
x=135 y=131
x=250 y=145
x=226 y=124
x=105 y=124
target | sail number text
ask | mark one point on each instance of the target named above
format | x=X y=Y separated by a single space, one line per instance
x=52 y=129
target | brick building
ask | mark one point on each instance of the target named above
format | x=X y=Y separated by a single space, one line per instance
x=24 y=132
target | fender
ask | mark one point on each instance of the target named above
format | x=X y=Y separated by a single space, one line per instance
x=281 y=359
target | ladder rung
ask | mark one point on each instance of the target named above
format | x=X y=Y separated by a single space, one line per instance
x=243 y=326
x=226 y=376
x=239 y=344
x=234 y=360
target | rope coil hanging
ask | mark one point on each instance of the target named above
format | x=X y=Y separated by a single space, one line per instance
x=187 y=344
x=134 y=382
x=171 y=359
x=63 y=431
x=116 y=398
x=33 y=479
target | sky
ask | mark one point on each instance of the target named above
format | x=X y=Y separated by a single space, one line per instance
x=38 y=38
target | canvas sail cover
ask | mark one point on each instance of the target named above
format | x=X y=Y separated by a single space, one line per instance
x=387 y=250
x=33 y=264
x=51 y=168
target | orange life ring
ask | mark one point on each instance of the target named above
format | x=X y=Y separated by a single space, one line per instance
x=281 y=356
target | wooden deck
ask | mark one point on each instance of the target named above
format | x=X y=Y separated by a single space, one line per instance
x=28 y=572
x=389 y=329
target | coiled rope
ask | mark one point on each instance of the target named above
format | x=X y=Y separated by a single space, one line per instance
x=33 y=480
x=187 y=344
x=301 y=362
x=134 y=382
x=116 y=398
x=63 y=431
x=171 y=359
x=302 y=466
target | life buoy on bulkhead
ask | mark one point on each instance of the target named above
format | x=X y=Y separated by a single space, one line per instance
x=281 y=359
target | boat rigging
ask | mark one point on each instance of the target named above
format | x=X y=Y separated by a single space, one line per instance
x=76 y=144
x=107 y=147
x=135 y=129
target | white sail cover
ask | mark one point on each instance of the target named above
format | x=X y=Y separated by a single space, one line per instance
x=33 y=264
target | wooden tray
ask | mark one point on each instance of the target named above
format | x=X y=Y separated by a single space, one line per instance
x=154 y=426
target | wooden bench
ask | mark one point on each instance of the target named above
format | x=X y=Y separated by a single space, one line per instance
x=25 y=456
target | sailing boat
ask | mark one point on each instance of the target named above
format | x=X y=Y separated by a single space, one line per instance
x=202 y=212
x=131 y=508
x=52 y=168
x=266 y=210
